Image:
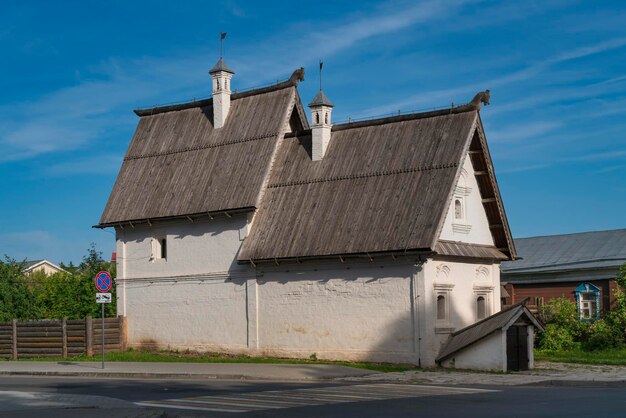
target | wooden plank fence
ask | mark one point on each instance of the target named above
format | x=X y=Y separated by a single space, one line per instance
x=61 y=338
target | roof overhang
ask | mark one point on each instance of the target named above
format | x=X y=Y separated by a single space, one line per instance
x=394 y=255
x=192 y=217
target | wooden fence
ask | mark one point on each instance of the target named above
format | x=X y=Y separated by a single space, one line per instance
x=61 y=338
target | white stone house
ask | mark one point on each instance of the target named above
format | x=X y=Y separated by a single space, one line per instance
x=242 y=227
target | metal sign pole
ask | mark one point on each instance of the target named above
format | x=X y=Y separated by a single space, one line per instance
x=102 y=334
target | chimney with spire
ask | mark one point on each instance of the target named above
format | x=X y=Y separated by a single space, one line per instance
x=321 y=108
x=221 y=75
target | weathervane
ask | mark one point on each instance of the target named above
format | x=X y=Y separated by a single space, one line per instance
x=321 y=64
x=222 y=36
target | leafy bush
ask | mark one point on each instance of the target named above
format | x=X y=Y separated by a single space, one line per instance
x=69 y=294
x=557 y=338
x=562 y=313
x=600 y=336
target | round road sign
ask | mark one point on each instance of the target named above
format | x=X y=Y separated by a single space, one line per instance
x=103 y=281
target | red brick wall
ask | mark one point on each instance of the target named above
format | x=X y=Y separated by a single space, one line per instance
x=549 y=291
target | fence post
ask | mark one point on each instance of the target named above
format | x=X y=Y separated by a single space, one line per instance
x=122 y=327
x=14 y=339
x=89 y=335
x=64 y=325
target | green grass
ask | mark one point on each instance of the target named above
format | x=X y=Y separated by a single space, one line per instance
x=607 y=357
x=192 y=357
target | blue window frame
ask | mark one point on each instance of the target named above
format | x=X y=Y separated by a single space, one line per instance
x=588 y=302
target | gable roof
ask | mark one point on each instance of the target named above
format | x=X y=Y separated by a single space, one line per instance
x=483 y=328
x=32 y=264
x=383 y=186
x=177 y=164
x=378 y=188
x=559 y=253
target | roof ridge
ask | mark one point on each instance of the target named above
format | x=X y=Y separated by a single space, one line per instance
x=405 y=117
x=292 y=81
x=573 y=233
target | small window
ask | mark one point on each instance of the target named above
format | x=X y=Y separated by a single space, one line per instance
x=588 y=302
x=218 y=84
x=226 y=84
x=317 y=118
x=588 y=305
x=481 y=309
x=159 y=249
x=326 y=118
x=458 y=209
x=441 y=307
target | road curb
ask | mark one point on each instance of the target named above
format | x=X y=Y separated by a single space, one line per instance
x=578 y=383
x=169 y=376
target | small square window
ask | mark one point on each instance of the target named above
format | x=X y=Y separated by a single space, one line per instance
x=159 y=248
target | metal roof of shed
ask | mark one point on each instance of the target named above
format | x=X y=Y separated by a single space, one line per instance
x=555 y=253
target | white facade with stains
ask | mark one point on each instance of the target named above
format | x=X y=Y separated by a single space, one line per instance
x=198 y=297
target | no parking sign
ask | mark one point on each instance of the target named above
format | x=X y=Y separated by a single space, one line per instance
x=103 y=281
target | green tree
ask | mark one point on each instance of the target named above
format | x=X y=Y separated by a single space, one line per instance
x=17 y=299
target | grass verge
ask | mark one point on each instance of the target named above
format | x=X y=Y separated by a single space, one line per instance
x=192 y=357
x=607 y=357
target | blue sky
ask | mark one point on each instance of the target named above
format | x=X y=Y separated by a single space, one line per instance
x=72 y=73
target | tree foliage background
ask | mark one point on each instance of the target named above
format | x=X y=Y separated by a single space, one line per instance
x=70 y=294
x=564 y=331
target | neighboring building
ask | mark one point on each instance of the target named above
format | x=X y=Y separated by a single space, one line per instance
x=242 y=228
x=581 y=267
x=32 y=266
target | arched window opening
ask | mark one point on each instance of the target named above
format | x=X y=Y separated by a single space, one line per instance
x=226 y=84
x=326 y=118
x=458 y=209
x=481 y=308
x=317 y=118
x=441 y=307
x=218 y=84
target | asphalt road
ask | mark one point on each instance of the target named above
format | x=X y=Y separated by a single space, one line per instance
x=88 y=397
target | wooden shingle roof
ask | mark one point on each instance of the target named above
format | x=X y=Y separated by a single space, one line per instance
x=380 y=187
x=177 y=164
x=383 y=185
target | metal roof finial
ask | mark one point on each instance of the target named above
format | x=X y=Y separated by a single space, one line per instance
x=222 y=37
x=321 y=65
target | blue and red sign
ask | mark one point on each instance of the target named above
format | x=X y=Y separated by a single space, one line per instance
x=103 y=281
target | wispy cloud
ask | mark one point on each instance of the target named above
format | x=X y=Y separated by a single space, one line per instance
x=79 y=116
x=522 y=131
x=96 y=165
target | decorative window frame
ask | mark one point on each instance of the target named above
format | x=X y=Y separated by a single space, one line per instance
x=483 y=287
x=587 y=287
x=443 y=326
x=462 y=226
x=486 y=291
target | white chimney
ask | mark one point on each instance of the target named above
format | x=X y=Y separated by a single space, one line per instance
x=321 y=109
x=221 y=75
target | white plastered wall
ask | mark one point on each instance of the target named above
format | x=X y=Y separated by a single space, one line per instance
x=196 y=298
x=486 y=354
x=359 y=312
x=473 y=227
x=461 y=283
x=199 y=298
